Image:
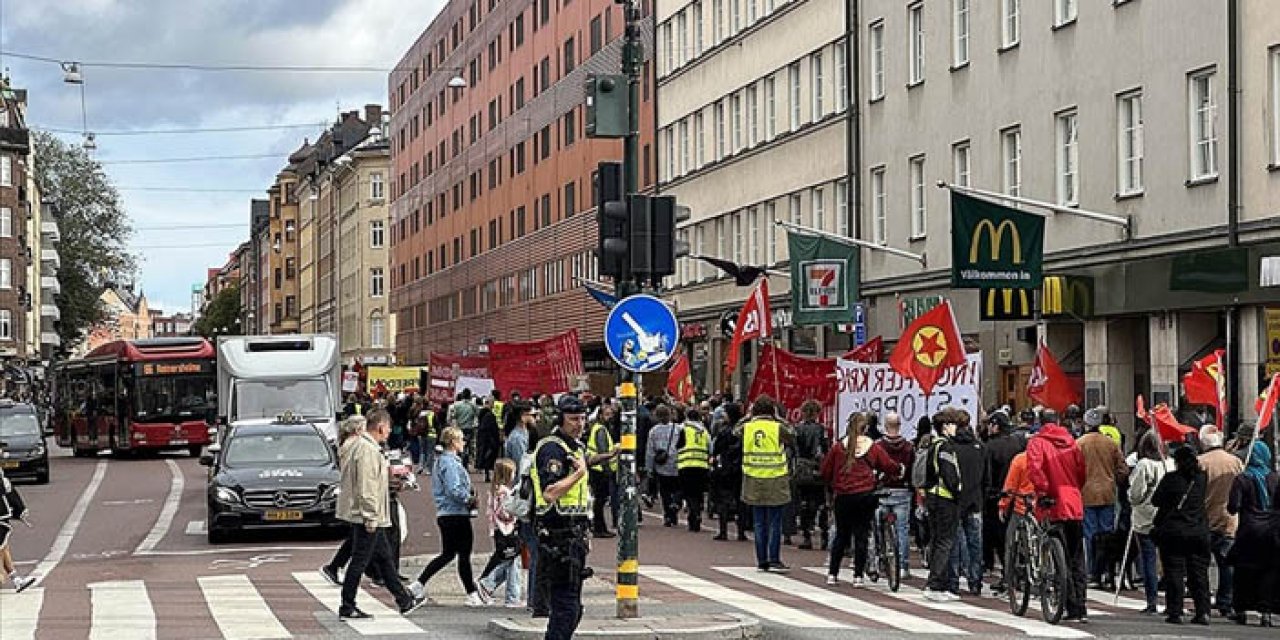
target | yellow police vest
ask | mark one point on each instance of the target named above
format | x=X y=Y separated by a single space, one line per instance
x=431 y=424
x=498 y=408
x=611 y=465
x=696 y=449
x=762 y=455
x=575 y=502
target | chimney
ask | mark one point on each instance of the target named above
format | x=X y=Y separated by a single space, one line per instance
x=373 y=114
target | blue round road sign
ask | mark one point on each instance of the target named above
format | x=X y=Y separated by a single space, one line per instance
x=641 y=333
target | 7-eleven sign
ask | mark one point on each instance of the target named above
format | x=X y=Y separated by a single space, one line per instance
x=824 y=285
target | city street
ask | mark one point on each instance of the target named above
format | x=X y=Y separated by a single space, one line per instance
x=121 y=548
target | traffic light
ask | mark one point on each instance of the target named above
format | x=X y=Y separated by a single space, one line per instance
x=654 y=247
x=606 y=106
x=612 y=218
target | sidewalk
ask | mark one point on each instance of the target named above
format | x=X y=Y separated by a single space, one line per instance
x=723 y=626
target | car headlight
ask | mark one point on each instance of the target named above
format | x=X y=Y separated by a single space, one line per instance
x=226 y=496
x=37 y=451
x=331 y=493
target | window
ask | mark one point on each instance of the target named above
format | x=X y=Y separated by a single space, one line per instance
x=915 y=44
x=879 y=216
x=669 y=48
x=918 y=211
x=717 y=21
x=753 y=116
x=1064 y=12
x=1275 y=105
x=793 y=80
x=1129 y=143
x=1011 y=148
x=842 y=79
x=6 y=171
x=697 y=29
x=375 y=277
x=699 y=141
x=6 y=222
x=1203 y=111
x=815 y=87
x=570 y=128
x=6 y=324
x=842 y=208
x=718 y=116
x=686 y=161
x=570 y=199
x=6 y=273
x=735 y=103
x=770 y=108
x=793 y=208
x=570 y=55
x=752 y=9
x=877 y=60
x=753 y=235
x=960 y=163
x=735 y=16
x=722 y=237
x=669 y=148
x=290 y=268
x=377 y=235
x=597 y=35
x=771 y=233
x=819 y=208
x=959 y=33
x=1068 y=158
x=291 y=306
x=377 y=332
x=1010 y=23
x=736 y=232
x=682 y=38
x=377 y=187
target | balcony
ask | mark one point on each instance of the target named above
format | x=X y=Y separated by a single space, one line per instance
x=49 y=230
x=50 y=311
x=50 y=256
x=50 y=338
x=50 y=284
x=15 y=140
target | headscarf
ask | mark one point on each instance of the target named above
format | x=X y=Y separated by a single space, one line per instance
x=1259 y=467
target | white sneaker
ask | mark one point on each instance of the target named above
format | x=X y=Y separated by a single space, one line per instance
x=858 y=583
x=21 y=584
x=832 y=581
x=952 y=597
x=936 y=596
x=474 y=599
x=418 y=589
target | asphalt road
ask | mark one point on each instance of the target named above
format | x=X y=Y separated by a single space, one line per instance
x=120 y=548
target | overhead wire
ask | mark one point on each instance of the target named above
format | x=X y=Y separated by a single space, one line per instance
x=181 y=66
x=146 y=132
x=258 y=156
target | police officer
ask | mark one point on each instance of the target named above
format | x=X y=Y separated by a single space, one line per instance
x=693 y=448
x=602 y=474
x=562 y=508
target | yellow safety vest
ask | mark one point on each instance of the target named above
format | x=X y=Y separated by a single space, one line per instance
x=938 y=489
x=498 y=408
x=762 y=455
x=431 y=424
x=592 y=450
x=575 y=502
x=696 y=449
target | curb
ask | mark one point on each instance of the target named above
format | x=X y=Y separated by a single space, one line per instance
x=723 y=626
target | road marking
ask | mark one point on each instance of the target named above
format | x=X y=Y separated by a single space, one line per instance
x=841 y=602
x=20 y=613
x=239 y=609
x=1109 y=599
x=248 y=563
x=167 y=512
x=385 y=620
x=196 y=528
x=68 y=531
x=121 y=609
x=210 y=552
x=1001 y=618
x=121 y=503
x=754 y=605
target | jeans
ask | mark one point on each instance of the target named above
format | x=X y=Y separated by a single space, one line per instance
x=812 y=509
x=537 y=598
x=427 y=445
x=508 y=572
x=1150 y=579
x=1097 y=520
x=966 y=553
x=370 y=550
x=1220 y=546
x=456 y=539
x=943 y=519
x=768 y=529
x=669 y=489
x=899 y=501
x=854 y=512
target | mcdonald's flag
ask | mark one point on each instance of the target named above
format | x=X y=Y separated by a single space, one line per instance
x=1049 y=385
x=928 y=347
x=680 y=379
x=994 y=246
x=1205 y=383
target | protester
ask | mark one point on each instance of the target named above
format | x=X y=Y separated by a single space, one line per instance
x=463 y=416
x=1182 y=535
x=1254 y=556
x=1221 y=469
x=1057 y=469
x=898 y=488
x=488 y=439
x=850 y=471
x=660 y=462
x=726 y=472
x=454 y=500
x=811 y=446
x=1104 y=470
x=766 y=482
x=12 y=508
x=503 y=565
x=966 y=551
x=942 y=486
x=1001 y=448
x=1151 y=466
x=693 y=446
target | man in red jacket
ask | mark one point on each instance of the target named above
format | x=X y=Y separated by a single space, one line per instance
x=1057 y=470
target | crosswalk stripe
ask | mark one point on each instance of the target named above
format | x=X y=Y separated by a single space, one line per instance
x=841 y=602
x=385 y=621
x=983 y=614
x=239 y=609
x=753 y=605
x=19 y=613
x=1109 y=599
x=121 y=609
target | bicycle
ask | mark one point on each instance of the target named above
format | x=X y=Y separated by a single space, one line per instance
x=1035 y=559
x=885 y=536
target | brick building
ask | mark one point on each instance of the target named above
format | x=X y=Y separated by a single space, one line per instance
x=15 y=206
x=492 y=175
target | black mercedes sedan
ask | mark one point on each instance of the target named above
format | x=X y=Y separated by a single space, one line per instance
x=22 y=448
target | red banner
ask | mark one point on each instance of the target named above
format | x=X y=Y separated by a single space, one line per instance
x=871 y=352
x=446 y=369
x=536 y=367
x=792 y=379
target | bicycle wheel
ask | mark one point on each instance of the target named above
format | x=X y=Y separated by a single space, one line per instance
x=1017 y=575
x=889 y=552
x=1054 y=581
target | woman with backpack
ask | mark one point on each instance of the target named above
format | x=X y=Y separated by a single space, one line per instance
x=850 y=471
x=503 y=564
x=726 y=474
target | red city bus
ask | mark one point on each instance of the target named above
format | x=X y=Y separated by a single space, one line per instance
x=137 y=395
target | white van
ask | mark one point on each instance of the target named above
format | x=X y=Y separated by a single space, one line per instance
x=262 y=378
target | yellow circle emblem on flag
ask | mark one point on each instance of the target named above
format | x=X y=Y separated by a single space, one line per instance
x=930 y=346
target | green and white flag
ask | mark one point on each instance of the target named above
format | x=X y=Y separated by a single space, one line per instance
x=824 y=279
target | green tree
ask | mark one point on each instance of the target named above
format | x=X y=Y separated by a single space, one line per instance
x=94 y=229
x=222 y=315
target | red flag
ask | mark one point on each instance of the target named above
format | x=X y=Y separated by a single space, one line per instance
x=1266 y=404
x=928 y=347
x=1141 y=408
x=1049 y=385
x=754 y=321
x=1167 y=426
x=871 y=352
x=1206 y=384
x=680 y=379
x=794 y=379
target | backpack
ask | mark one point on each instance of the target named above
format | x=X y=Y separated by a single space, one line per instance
x=920 y=469
x=519 y=502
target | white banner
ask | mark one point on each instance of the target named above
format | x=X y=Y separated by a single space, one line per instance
x=879 y=389
x=479 y=387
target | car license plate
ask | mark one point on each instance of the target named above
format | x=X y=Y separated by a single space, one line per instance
x=9 y=464
x=177 y=442
x=282 y=516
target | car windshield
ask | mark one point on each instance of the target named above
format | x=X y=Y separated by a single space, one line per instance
x=173 y=397
x=275 y=449
x=19 y=424
x=270 y=398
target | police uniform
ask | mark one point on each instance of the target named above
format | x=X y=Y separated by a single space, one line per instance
x=602 y=477
x=562 y=532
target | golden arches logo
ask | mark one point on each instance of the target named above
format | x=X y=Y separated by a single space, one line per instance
x=996 y=233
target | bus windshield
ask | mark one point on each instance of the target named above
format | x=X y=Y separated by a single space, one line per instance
x=307 y=449
x=271 y=398
x=175 y=397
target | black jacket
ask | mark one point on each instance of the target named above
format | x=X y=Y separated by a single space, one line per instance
x=974 y=477
x=943 y=467
x=1179 y=503
x=1000 y=453
x=811 y=440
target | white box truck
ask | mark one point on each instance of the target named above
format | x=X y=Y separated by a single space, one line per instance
x=262 y=378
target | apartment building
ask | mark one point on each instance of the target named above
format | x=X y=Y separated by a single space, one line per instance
x=281 y=257
x=252 y=285
x=21 y=264
x=1115 y=107
x=752 y=127
x=492 y=175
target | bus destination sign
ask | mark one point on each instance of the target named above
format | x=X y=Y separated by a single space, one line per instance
x=172 y=368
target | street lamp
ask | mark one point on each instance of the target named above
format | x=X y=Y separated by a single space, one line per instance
x=90 y=142
x=71 y=73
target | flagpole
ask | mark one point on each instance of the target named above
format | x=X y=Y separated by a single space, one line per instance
x=1120 y=221
x=1257 y=430
x=777 y=375
x=853 y=242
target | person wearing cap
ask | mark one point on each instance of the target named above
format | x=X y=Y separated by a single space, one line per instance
x=562 y=505
x=1106 y=468
x=1221 y=469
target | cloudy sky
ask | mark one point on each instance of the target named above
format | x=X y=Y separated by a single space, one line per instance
x=316 y=33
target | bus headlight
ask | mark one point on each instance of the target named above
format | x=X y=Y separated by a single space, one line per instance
x=226 y=496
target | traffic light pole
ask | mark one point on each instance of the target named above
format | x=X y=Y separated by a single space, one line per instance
x=627 y=589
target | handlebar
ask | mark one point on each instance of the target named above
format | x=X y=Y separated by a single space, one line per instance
x=1030 y=499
